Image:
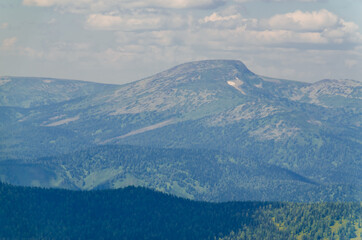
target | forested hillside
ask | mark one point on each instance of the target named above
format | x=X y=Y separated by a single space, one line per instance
x=139 y=213
x=202 y=174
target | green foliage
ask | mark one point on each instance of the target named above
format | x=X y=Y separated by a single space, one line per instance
x=138 y=213
x=131 y=213
x=191 y=173
x=304 y=221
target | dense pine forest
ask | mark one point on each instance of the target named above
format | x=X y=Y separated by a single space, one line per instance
x=139 y=213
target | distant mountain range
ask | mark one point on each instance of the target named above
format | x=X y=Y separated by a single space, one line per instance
x=208 y=130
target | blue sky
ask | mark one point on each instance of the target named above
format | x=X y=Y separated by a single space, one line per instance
x=119 y=41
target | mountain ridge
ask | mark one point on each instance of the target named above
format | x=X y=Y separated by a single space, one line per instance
x=313 y=130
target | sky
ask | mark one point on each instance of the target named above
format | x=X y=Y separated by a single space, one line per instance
x=120 y=41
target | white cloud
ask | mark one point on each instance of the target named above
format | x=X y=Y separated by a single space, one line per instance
x=350 y=63
x=304 y=21
x=8 y=43
x=109 y=22
x=316 y=27
x=214 y=17
x=157 y=34
x=296 y=29
x=100 y=21
x=137 y=20
x=103 y=5
x=74 y=6
x=52 y=21
x=134 y=41
x=178 y=4
x=30 y=52
x=40 y=3
x=242 y=1
x=49 y=3
x=324 y=23
x=285 y=36
x=4 y=25
x=293 y=0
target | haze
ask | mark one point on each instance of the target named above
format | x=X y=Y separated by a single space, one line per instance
x=122 y=41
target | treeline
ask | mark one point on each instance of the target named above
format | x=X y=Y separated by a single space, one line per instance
x=139 y=213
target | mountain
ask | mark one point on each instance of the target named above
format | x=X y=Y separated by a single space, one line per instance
x=28 y=92
x=139 y=213
x=293 y=138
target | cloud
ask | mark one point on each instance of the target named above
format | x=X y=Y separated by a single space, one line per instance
x=100 y=21
x=30 y=52
x=52 y=21
x=157 y=34
x=103 y=5
x=350 y=63
x=315 y=27
x=178 y=4
x=296 y=29
x=8 y=43
x=227 y=20
x=323 y=23
x=242 y=1
x=49 y=3
x=216 y=17
x=110 y=22
x=78 y=6
x=304 y=21
x=39 y=3
x=137 y=21
x=4 y=25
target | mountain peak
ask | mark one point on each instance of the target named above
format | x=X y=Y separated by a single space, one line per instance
x=201 y=72
x=214 y=63
x=207 y=65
